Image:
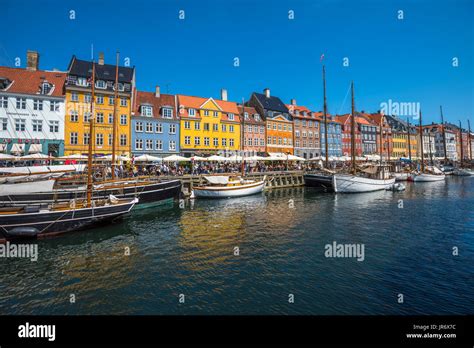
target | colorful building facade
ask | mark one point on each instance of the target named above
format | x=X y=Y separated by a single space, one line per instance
x=253 y=128
x=32 y=108
x=306 y=129
x=78 y=107
x=155 y=124
x=345 y=121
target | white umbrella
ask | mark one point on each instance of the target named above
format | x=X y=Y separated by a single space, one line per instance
x=176 y=158
x=198 y=158
x=255 y=158
x=234 y=158
x=109 y=158
x=147 y=158
x=34 y=156
x=73 y=157
x=295 y=158
x=5 y=157
x=216 y=158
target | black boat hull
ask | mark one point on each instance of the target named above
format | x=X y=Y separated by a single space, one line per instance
x=48 y=223
x=150 y=193
x=321 y=182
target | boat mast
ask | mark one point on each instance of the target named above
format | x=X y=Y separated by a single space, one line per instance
x=91 y=139
x=353 y=153
x=325 y=110
x=421 y=142
x=460 y=143
x=381 y=139
x=242 y=137
x=409 y=142
x=469 y=140
x=429 y=140
x=444 y=136
x=114 y=123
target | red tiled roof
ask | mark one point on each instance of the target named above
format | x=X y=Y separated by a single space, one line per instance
x=251 y=111
x=196 y=103
x=29 y=82
x=157 y=103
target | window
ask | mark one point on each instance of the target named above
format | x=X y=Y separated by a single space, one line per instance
x=138 y=144
x=257 y=117
x=197 y=140
x=37 y=125
x=274 y=140
x=172 y=145
x=87 y=117
x=123 y=140
x=275 y=126
x=224 y=142
x=20 y=125
x=149 y=127
x=206 y=126
x=110 y=138
x=231 y=116
x=197 y=125
x=231 y=128
x=120 y=87
x=82 y=81
x=231 y=142
x=215 y=127
x=279 y=141
x=224 y=128
x=297 y=133
x=99 y=117
x=147 y=110
x=269 y=140
x=4 y=124
x=206 y=112
x=111 y=118
x=86 y=138
x=149 y=145
x=216 y=114
x=216 y=141
x=87 y=98
x=167 y=113
x=279 y=127
x=74 y=97
x=255 y=142
x=187 y=140
x=187 y=125
x=99 y=139
x=262 y=129
x=123 y=101
x=158 y=128
x=101 y=84
x=73 y=138
x=111 y=100
x=206 y=141
x=139 y=127
x=99 y=99
x=262 y=142
x=270 y=114
x=172 y=129
x=123 y=120
x=289 y=127
x=21 y=103
x=191 y=112
x=246 y=115
x=53 y=106
x=74 y=117
x=3 y=102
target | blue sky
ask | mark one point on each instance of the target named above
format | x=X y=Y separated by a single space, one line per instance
x=407 y=60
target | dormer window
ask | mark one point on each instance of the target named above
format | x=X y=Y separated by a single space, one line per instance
x=256 y=117
x=82 y=81
x=304 y=113
x=120 y=87
x=101 y=84
x=297 y=112
x=167 y=112
x=246 y=115
x=192 y=112
x=4 y=82
x=231 y=116
x=147 y=110
x=46 y=87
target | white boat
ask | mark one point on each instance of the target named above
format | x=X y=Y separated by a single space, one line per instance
x=431 y=174
x=26 y=187
x=463 y=172
x=401 y=176
x=348 y=183
x=224 y=187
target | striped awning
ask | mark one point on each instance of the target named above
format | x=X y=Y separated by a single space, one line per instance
x=3 y=147
x=18 y=148
x=35 y=148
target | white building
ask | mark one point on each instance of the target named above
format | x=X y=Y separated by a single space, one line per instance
x=450 y=145
x=32 y=108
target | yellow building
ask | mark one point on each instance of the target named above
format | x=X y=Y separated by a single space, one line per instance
x=78 y=107
x=208 y=125
x=400 y=145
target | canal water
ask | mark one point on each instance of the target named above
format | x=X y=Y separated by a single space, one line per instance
x=280 y=268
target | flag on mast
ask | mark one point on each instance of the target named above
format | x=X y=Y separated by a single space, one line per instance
x=322 y=57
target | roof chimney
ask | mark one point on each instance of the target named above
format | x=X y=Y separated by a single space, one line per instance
x=267 y=92
x=32 y=60
x=224 y=94
x=293 y=101
x=101 y=58
x=157 y=91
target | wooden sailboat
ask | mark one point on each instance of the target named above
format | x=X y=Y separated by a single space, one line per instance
x=43 y=220
x=431 y=173
x=226 y=187
x=369 y=179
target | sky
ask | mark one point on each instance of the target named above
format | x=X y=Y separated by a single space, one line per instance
x=404 y=57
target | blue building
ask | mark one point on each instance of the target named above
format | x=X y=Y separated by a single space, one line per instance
x=334 y=137
x=155 y=124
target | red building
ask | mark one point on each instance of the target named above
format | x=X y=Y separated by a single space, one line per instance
x=345 y=120
x=253 y=129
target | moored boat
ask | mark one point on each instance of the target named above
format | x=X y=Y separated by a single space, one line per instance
x=319 y=181
x=401 y=176
x=427 y=177
x=225 y=187
x=347 y=183
x=463 y=172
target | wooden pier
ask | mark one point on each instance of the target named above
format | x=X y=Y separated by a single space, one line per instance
x=277 y=179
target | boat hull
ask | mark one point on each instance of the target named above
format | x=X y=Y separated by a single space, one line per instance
x=227 y=192
x=321 y=182
x=149 y=193
x=428 y=177
x=356 y=184
x=47 y=223
x=401 y=176
x=463 y=172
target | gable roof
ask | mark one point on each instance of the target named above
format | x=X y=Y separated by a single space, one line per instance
x=29 y=82
x=143 y=98
x=251 y=111
x=272 y=103
x=83 y=68
x=226 y=107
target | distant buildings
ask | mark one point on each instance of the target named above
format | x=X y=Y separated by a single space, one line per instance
x=306 y=131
